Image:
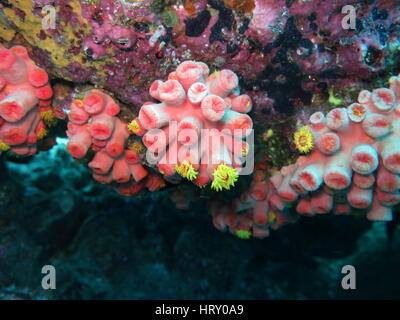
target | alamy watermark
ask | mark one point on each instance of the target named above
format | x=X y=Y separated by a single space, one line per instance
x=349 y=20
x=349 y=280
x=49 y=280
x=49 y=17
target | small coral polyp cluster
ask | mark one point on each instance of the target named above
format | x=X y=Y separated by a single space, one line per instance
x=255 y=212
x=198 y=128
x=356 y=158
x=93 y=123
x=354 y=164
x=25 y=102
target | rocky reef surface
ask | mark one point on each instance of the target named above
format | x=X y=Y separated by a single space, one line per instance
x=291 y=49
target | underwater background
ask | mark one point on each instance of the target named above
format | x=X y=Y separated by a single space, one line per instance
x=83 y=84
x=105 y=246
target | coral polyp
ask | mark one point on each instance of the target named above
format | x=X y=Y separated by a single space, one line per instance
x=303 y=139
x=224 y=177
x=186 y=170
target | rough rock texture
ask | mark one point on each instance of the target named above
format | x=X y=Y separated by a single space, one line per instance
x=124 y=46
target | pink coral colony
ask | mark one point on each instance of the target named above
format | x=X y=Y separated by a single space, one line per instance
x=197 y=123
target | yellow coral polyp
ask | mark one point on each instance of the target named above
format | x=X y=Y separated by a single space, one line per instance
x=134 y=126
x=358 y=112
x=332 y=99
x=186 y=170
x=303 y=139
x=4 y=146
x=243 y=234
x=78 y=103
x=224 y=177
x=267 y=134
x=248 y=105
x=137 y=146
x=272 y=217
x=42 y=133
x=48 y=117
